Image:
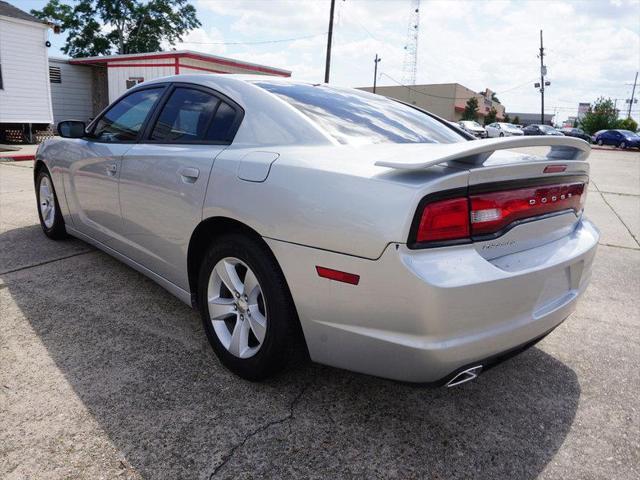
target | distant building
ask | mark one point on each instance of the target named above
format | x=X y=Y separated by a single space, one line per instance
x=446 y=100
x=531 y=118
x=25 y=98
x=125 y=71
x=583 y=108
x=82 y=87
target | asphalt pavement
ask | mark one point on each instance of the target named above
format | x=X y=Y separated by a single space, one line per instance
x=103 y=374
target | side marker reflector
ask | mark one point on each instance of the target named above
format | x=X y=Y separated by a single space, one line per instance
x=337 y=275
x=554 y=168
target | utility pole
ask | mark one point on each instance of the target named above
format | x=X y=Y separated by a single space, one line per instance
x=543 y=72
x=543 y=83
x=633 y=94
x=329 y=38
x=375 y=72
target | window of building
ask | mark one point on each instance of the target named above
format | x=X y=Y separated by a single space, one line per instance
x=55 y=76
x=193 y=115
x=1 y=85
x=133 y=81
x=124 y=119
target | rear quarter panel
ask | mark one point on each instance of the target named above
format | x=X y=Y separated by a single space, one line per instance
x=326 y=197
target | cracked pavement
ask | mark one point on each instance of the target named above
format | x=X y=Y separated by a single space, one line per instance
x=103 y=374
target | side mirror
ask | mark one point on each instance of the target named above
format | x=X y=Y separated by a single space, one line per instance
x=71 y=129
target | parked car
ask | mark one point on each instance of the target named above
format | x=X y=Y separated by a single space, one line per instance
x=348 y=225
x=618 y=138
x=501 y=129
x=474 y=128
x=541 y=130
x=576 y=133
x=595 y=135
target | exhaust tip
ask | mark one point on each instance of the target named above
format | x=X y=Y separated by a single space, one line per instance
x=465 y=376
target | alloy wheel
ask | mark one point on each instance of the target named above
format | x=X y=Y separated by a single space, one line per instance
x=237 y=307
x=47 y=202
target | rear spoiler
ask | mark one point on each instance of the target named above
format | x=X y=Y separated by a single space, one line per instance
x=477 y=151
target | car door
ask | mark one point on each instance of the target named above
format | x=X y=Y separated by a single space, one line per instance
x=609 y=138
x=164 y=177
x=491 y=130
x=618 y=138
x=94 y=171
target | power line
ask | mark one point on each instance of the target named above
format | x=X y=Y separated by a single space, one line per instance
x=259 y=42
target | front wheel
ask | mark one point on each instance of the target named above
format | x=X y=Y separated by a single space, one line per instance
x=600 y=143
x=501 y=134
x=623 y=145
x=49 y=212
x=246 y=308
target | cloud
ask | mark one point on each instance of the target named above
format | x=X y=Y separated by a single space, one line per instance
x=209 y=40
x=592 y=47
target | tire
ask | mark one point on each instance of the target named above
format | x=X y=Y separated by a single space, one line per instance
x=501 y=134
x=600 y=142
x=254 y=358
x=49 y=211
x=622 y=145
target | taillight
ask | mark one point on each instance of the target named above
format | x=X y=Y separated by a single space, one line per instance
x=492 y=212
x=444 y=220
x=481 y=214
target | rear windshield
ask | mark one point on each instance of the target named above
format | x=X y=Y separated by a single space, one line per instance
x=355 y=117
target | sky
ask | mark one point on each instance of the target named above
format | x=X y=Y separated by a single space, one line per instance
x=592 y=47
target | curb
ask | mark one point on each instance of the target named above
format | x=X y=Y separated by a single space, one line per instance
x=610 y=149
x=16 y=158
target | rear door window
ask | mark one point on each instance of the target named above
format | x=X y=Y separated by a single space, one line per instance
x=192 y=115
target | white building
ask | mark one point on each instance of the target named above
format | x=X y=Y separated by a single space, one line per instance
x=125 y=71
x=25 y=97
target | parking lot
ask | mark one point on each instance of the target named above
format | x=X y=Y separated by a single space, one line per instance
x=103 y=374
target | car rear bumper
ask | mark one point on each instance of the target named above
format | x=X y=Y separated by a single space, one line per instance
x=422 y=315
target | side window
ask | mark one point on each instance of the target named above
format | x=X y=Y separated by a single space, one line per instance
x=123 y=120
x=191 y=115
x=185 y=117
x=222 y=125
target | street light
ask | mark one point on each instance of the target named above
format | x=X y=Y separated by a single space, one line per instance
x=375 y=71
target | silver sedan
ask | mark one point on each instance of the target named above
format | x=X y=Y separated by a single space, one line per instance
x=302 y=218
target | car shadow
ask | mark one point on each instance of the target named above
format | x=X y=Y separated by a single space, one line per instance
x=138 y=360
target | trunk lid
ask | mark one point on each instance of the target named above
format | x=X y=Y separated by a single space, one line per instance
x=493 y=166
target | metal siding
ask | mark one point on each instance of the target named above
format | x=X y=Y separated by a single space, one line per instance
x=72 y=98
x=26 y=96
x=118 y=75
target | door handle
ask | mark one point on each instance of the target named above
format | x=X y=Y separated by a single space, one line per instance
x=112 y=169
x=189 y=174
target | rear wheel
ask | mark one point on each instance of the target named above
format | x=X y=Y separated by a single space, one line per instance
x=501 y=134
x=246 y=307
x=49 y=212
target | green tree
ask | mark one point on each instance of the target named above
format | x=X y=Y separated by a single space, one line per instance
x=491 y=116
x=98 y=27
x=471 y=109
x=516 y=120
x=507 y=118
x=602 y=115
x=627 y=124
x=494 y=97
